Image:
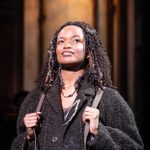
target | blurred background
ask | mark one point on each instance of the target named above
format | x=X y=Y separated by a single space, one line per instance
x=26 y=27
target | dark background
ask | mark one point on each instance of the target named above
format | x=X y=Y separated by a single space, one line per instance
x=11 y=67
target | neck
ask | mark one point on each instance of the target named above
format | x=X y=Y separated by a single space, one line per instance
x=70 y=77
x=75 y=66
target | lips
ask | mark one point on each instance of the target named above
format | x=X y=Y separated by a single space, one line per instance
x=67 y=53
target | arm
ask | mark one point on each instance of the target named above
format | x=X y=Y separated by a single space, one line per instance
x=117 y=128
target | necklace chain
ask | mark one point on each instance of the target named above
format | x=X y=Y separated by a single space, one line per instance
x=62 y=86
x=70 y=95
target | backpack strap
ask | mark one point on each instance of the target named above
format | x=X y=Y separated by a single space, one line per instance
x=39 y=106
x=40 y=102
x=95 y=103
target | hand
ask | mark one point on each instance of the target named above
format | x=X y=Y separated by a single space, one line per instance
x=31 y=120
x=92 y=115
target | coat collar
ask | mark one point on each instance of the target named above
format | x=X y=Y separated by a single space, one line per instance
x=85 y=94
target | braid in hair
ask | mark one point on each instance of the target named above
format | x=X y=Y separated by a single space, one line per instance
x=98 y=68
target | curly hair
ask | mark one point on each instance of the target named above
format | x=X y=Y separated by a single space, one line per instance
x=98 y=67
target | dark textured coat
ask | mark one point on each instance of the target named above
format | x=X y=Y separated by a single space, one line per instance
x=117 y=128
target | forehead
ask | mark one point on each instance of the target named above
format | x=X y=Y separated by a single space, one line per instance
x=71 y=30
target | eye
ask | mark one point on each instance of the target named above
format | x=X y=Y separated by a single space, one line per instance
x=76 y=40
x=60 y=42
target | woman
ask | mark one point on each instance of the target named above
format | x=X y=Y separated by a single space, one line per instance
x=77 y=66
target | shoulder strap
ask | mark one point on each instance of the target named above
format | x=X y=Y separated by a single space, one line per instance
x=40 y=102
x=42 y=97
x=95 y=103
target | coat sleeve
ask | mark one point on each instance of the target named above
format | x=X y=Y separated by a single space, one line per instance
x=29 y=105
x=117 y=128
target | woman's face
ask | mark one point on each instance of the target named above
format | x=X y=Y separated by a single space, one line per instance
x=70 y=49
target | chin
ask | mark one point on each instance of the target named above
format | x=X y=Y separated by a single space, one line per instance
x=68 y=62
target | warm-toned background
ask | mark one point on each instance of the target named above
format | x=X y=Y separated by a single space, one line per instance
x=25 y=30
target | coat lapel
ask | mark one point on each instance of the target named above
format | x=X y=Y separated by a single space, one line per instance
x=84 y=98
x=53 y=98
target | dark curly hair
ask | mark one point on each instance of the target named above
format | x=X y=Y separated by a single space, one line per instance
x=98 y=68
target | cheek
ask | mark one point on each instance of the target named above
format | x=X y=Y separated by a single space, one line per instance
x=58 y=53
x=58 y=50
x=81 y=51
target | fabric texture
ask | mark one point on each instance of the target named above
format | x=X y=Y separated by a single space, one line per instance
x=117 y=128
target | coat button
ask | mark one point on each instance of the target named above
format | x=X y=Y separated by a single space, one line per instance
x=54 y=139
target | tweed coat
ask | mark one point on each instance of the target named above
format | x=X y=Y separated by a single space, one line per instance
x=117 y=127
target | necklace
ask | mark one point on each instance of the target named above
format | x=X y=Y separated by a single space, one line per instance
x=63 y=88
x=62 y=85
x=70 y=95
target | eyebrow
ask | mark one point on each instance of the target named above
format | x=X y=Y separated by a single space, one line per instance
x=62 y=37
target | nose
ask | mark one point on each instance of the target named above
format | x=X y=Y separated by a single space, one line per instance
x=67 y=44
